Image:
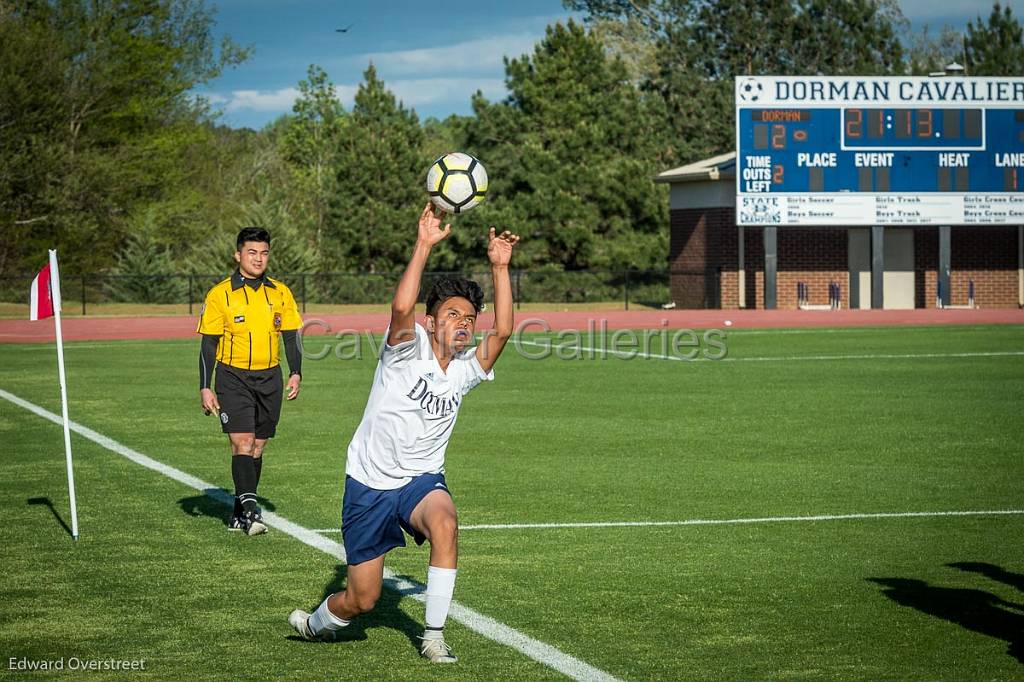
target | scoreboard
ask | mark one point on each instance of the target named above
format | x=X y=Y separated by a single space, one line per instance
x=821 y=150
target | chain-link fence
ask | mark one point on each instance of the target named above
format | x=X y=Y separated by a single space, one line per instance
x=637 y=288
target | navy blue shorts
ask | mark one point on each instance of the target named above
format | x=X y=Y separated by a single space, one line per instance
x=372 y=520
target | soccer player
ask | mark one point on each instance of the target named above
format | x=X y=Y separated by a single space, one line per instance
x=242 y=320
x=394 y=478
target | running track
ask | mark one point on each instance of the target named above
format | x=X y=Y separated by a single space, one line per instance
x=110 y=328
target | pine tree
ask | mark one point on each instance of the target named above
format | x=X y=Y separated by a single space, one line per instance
x=310 y=146
x=572 y=152
x=996 y=49
x=380 y=175
x=146 y=271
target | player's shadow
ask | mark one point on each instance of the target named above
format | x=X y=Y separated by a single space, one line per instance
x=45 y=502
x=974 y=610
x=385 y=614
x=216 y=503
x=992 y=571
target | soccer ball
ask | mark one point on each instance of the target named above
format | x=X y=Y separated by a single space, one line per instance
x=456 y=182
x=751 y=90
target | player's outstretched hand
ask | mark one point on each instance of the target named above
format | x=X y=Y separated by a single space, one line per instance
x=499 y=247
x=430 y=226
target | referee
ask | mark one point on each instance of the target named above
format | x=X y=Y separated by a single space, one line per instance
x=240 y=324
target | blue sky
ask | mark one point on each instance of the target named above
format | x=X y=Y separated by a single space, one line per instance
x=432 y=55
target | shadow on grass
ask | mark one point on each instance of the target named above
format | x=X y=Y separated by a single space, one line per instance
x=385 y=614
x=992 y=571
x=45 y=502
x=216 y=503
x=974 y=610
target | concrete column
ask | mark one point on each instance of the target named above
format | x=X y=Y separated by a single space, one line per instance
x=877 y=266
x=944 y=260
x=851 y=268
x=741 y=272
x=771 y=262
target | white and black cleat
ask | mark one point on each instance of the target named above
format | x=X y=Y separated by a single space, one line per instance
x=299 y=620
x=437 y=651
x=252 y=523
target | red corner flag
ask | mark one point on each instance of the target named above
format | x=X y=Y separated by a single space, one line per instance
x=41 y=297
x=45 y=302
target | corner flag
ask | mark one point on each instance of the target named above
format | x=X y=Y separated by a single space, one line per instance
x=44 y=301
x=40 y=296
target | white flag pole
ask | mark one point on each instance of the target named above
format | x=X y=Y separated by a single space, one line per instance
x=55 y=292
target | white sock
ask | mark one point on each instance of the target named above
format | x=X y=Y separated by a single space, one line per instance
x=440 y=588
x=322 y=619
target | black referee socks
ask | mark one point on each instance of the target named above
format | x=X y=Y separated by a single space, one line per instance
x=243 y=472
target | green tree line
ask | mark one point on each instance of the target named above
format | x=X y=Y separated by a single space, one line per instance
x=107 y=154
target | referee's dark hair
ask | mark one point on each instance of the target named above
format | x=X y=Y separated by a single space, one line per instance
x=449 y=287
x=252 y=234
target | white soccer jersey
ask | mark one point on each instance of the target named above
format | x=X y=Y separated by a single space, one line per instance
x=410 y=413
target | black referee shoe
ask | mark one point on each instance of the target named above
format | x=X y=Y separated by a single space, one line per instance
x=252 y=523
x=235 y=524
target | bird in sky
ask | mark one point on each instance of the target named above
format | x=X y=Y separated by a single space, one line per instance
x=344 y=30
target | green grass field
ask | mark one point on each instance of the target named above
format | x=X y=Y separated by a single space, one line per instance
x=792 y=424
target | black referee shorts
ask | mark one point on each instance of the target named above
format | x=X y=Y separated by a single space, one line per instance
x=250 y=400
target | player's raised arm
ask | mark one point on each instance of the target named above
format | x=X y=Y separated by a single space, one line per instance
x=499 y=252
x=403 y=306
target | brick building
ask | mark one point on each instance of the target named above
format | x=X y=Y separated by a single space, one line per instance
x=715 y=263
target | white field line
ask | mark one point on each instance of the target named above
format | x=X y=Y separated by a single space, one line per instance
x=478 y=622
x=769 y=358
x=725 y=522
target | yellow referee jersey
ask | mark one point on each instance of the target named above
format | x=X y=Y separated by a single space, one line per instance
x=248 y=321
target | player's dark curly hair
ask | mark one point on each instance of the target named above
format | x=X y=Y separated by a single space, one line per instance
x=448 y=287
x=251 y=234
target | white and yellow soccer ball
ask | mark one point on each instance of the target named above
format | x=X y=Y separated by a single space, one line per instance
x=456 y=182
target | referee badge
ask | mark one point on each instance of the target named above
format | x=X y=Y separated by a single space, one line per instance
x=277 y=320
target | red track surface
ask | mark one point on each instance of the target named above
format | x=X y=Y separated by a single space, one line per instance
x=107 y=328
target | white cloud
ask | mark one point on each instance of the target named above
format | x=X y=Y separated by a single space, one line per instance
x=415 y=92
x=424 y=91
x=472 y=56
x=214 y=98
x=279 y=100
x=261 y=100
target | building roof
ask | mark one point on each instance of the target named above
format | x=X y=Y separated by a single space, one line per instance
x=717 y=167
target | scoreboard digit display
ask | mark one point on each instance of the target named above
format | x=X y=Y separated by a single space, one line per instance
x=879 y=151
